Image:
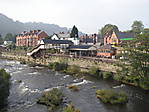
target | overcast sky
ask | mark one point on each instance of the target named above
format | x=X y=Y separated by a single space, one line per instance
x=88 y=15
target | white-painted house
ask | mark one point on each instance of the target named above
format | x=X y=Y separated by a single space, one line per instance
x=65 y=36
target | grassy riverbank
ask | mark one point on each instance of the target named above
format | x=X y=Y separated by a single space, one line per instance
x=81 y=67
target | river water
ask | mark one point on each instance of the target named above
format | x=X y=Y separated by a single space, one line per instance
x=35 y=80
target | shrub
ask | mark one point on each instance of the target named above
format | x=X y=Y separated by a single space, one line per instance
x=111 y=97
x=95 y=71
x=118 y=77
x=23 y=62
x=52 y=99
x=144 y=83
x=73 y=87
x=73 y=69
x=58 y=66
x=4 y=87
x=50 y=65
x=106 y=75
x=70 y=108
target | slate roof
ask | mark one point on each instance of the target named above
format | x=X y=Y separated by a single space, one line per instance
x=122 y=35
x=87 y=40
x=80 y=47
x=49 y=41
x=32 y=32
x=64 y=35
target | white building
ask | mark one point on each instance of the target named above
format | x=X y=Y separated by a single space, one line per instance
x=7 y=43
x=65 y=36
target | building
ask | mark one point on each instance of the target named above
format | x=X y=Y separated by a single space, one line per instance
x=89 y=39
x=30 y=39
x=47 y=44
x=65 y=36
x=7 y=43
x=106 y=51
x=82 y=50
x=55 y=44
x=116 y=38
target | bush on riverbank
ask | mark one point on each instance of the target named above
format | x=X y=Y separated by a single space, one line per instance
x=23 y=62
x=4 y=87
x=73 y=70
x=106 y=75
x=144 y=83
x=95 y=71
x=70 y=108
x=52 y=99
x=111 y=97
x=58 y=66
x=130 y=79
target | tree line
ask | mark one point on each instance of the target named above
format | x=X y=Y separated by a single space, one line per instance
x=8 y=37
x=137 y=27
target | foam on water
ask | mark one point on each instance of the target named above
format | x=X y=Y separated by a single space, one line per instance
x=24 y=88
x=15 y=72
x=66 y=76
x=119 y=86
x=34 y=73
x=52 y=88
x=83 y=82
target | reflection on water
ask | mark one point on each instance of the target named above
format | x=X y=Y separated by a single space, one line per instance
x=28 y=83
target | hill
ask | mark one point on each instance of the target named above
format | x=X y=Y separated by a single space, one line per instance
x=8 y=25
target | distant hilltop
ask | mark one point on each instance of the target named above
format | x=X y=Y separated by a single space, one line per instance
x=8 y=25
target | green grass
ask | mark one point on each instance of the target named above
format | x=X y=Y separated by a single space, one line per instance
x=111 y=97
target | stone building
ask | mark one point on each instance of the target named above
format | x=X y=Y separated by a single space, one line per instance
x=30 y=39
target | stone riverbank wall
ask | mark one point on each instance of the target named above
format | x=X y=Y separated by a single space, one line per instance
x=83 y=63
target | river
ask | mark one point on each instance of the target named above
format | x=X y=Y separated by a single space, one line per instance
x=37 y=79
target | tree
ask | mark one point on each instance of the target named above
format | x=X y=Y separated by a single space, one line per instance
x=136 y=59
x=1 y=39
x=146 y=30
x=137 y=27
x=74 y=32
x=4 y=87
x=10 y=37
x=108 y=28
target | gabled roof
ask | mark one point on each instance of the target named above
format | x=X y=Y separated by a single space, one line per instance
x=49 y=41
x=124 y=35
x=32 y=32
